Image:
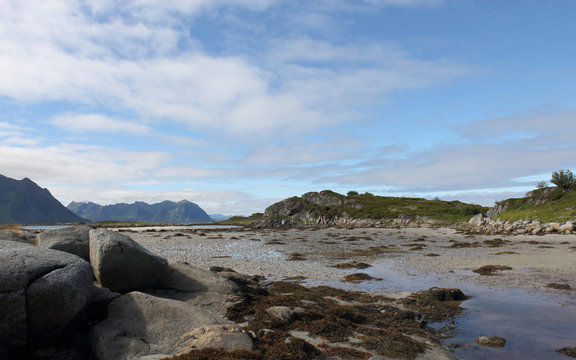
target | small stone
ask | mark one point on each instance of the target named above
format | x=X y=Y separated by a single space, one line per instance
x=493 y=341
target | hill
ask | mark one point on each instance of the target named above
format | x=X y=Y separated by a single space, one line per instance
x=330 y=208
x=24 y=202
x=546 y=205
x=182 y=212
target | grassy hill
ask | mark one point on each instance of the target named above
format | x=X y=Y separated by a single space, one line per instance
x=331 y=205
x=549 y=204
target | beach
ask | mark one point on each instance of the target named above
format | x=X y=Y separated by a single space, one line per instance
x=535 y=261
x=529 y=298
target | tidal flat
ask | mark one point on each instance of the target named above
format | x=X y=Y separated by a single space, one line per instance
x=522 y=288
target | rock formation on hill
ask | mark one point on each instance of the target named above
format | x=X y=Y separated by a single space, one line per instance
x=24 y=202
x=182 y=212
x=328 y=208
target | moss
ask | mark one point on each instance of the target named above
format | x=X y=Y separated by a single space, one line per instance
x=460 y=245
x=359 y=277
x=352 y=265
x=218 y=354
x=336 y=315
x=559 y=286
x=567 y=351
x=491 y=269
x=296 y=257
x=331 y=329
x=436 y=304
x=494 y=242
x=394 y=345
x=340 y=352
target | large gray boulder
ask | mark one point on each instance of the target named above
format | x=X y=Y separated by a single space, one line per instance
x=9 y=236
x=73 y=240
x=43 y=293
x=142 y=326
x=22 y=236
x=123 y=265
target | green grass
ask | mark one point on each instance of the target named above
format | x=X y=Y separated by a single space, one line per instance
x=242 y=220
x=368 y=206
x=545 y=205
x=378 y=207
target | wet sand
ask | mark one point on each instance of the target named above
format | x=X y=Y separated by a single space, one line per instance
x=536 y=261
x=516 y=304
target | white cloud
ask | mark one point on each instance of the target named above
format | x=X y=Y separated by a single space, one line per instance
x=98 y=123
x=61 y=51
x=479 y=165
x=77 y=164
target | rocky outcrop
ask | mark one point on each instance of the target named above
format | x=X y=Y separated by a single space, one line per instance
x=141 y=325
x=9 y=236
x=178 y=307
x=42 y=293
x=46 y=294
x=73 y=240
x=483 y=224
x=123 y=265
x=26 y=237
x=349 y=223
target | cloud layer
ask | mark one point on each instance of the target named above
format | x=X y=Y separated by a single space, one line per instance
x=251 y=100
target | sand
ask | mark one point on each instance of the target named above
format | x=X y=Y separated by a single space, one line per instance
x=536 y=261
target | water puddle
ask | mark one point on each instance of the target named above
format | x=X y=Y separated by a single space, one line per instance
x=533 y=324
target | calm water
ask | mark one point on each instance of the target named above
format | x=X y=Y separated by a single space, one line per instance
x=45 y=227
x=533 y=324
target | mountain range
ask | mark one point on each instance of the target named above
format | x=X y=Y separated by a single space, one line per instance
x=24 y=202
x=181 y=212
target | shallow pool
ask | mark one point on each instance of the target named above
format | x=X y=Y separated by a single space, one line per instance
x=534 y=324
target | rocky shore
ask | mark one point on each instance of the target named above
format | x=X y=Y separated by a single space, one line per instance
x=82 y=293
x=483 y=224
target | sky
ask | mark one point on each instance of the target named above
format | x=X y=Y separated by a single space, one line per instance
x=237 y=104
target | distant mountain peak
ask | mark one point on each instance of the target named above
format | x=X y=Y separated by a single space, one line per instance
x=182 y=212
x=24 y=202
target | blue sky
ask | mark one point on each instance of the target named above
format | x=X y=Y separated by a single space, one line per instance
x=236 y=104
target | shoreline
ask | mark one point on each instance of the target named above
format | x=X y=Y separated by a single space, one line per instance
x=536 y=261
x=517 y=304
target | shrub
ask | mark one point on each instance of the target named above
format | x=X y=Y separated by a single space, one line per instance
x=352 y=193
x=542 y=185
x=565 y=180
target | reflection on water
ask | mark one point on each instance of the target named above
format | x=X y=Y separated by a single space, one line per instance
x=534 y=325
x=44 y=227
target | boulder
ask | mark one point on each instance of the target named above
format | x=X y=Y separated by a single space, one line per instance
x=228 y=337
x=477 y=220
x=43 y=293
x=73 y=240
x=123 y=265
x=554 y=226
x=566 y=227
x=184 y=277
x=23 y=237
x=8 y=236
x=492 y=341
x=284 y=313
x=141 y=325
